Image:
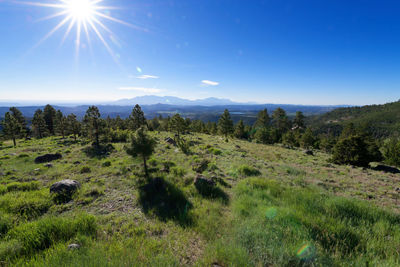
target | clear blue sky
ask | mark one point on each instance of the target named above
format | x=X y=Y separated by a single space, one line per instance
x=271 y=51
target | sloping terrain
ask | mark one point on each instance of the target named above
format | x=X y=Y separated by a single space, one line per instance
x=381 y=120
x=271 y=206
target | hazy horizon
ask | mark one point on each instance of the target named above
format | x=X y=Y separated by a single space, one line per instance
x=282 y=52
x=111 y=102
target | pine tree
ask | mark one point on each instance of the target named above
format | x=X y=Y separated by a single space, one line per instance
x=93 y=123
x=348 y=131
x=281 y=123
x=39 y=124
x=298 y=121
x=141 y=145
x=307 y=140
x=178 y=125
x=240 y=130
x=289 y=139
x=60 y=123
x=73 y=125
x=12 y=128
x=225 y=124
x=263 y=119
x=137 y=118
x=263 y=135
x=49 y=115
x=17 y=114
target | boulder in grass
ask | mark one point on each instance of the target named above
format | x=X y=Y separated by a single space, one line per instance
x=170 y=141
x=63 y=190
x=48 y=158
x=74 y=246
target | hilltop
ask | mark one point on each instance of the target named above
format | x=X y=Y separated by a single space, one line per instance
x=271 y=206
x=381 y=120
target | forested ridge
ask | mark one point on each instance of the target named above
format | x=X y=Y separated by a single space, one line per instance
x=380 y=120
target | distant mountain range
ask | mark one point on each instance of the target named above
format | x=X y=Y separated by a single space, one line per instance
x=141 y=100
x=175 y=101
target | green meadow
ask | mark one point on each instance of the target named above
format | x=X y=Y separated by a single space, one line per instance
x=272 y=206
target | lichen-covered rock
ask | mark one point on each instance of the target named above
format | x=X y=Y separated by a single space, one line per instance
x=63 y=190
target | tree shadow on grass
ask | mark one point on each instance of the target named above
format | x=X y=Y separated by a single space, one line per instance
x=166 y=201
x=213 y=193
x=99 y=152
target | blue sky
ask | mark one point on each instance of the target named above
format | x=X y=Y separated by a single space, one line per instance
x=271 y=51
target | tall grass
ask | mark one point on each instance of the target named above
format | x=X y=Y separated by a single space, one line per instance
x=28 y=205
x=283 y=226
x=29 y=238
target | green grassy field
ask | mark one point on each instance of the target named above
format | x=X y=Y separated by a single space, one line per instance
x=272 y=207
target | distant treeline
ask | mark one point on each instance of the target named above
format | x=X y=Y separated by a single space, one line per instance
x=350 y=143
x=381 y=121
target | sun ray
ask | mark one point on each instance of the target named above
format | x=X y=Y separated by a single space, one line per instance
x=68 y=31
x=59 y=14
x=42 y=4
x=118 y=21
x=56 y=28
x=103 y=41
x=78 y=38
x=86 y=16
x=102 y=25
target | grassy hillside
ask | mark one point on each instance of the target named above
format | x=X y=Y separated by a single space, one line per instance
x=381 y=120
x=272 y=207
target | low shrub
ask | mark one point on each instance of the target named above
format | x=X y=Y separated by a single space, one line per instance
x=118 y=136
x=245 y=171
x=16 y=186
x=215 y=151
x=86 y=169
x=106 y=164
x=5 y=223
x=178 y=171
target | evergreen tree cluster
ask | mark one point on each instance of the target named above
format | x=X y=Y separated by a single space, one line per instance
x=355 y=145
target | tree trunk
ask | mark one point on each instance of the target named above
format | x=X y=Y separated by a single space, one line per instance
x=97 y=136
x=146 y=172
x=14 y=141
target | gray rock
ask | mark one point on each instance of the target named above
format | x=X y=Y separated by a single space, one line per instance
x=48 y=165
x=65 y=187
x=170 y=141
x=74 y=246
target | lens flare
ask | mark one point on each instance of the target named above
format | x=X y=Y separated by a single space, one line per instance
x=86 y=17
x=271 y=213
x=306 y=252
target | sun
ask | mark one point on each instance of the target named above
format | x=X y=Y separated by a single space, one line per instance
x=85 y=17
x=81 y=9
